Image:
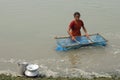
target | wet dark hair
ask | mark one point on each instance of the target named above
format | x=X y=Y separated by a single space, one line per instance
x=76 y=13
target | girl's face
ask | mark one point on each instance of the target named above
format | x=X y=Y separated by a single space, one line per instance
x=77 y=17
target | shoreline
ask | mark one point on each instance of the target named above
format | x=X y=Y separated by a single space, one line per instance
x=12 y=77
x=8 y=75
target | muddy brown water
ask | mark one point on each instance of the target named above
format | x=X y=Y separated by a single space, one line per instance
x=28 y=27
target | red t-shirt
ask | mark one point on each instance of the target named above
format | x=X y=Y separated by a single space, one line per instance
x=75 y=26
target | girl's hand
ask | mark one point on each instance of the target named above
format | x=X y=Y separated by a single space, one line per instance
x=73 y=38
x=87 y=35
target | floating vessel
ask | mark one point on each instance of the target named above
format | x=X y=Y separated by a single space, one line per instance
x=65 y=43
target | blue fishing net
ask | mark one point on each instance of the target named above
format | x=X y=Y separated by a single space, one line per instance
x=65 y=44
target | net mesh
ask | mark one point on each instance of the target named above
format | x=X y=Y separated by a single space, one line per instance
x=65 y=44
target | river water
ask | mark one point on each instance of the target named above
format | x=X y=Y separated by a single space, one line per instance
x=28 y=28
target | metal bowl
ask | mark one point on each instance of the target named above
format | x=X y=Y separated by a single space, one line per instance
x=32 y=67
x=31 y=74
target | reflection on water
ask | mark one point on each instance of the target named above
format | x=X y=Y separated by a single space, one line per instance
x=73 y=58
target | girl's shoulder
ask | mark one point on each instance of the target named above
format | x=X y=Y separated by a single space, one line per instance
x=79 y=20
x=73 y=21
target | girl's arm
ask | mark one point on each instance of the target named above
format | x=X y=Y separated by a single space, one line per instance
x=69 y=32
x=84 y=29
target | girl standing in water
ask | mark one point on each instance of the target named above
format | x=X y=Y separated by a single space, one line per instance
x=75 y=27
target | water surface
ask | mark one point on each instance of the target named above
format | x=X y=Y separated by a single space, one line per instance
x=28 y=27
